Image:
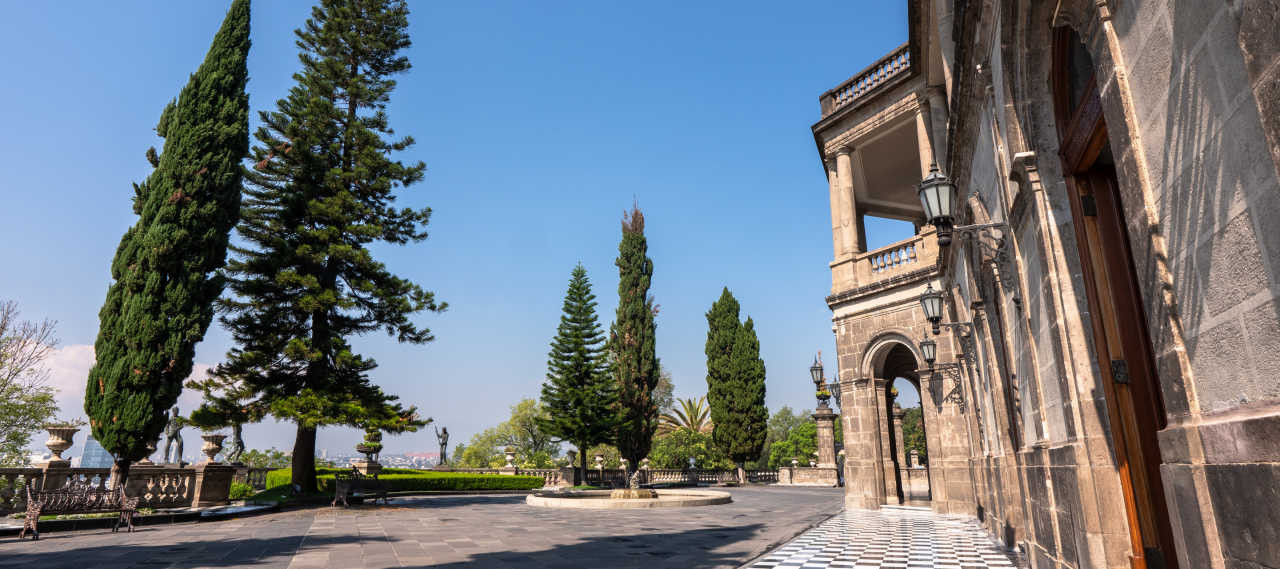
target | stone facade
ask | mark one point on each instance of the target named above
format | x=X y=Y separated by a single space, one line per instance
x=1029 y=410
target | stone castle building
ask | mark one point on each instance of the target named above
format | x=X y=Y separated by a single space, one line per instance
x=1106 y=385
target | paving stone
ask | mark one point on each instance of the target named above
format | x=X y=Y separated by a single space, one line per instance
x=889 y=537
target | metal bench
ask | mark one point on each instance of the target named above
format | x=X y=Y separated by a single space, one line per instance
x=346 y=484
x=77 y=497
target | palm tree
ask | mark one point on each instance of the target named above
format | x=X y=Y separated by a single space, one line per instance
x=692 y=414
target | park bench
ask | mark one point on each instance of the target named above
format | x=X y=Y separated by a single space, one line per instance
x=346 y=484
x=77 y=497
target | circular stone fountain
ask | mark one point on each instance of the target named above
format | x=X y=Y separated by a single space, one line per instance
x=628 y=499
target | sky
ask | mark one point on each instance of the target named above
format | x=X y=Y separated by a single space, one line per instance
x=539 y=122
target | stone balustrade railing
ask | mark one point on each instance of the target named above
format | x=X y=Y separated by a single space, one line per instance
x=255 y=477
x=155 y=486
x=887 y=265
x=868 y=80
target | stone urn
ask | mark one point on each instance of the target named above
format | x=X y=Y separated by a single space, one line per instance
x=510 y=454
x=60 y=439
x=794 y=463
x=151 y=449
x=212 y=445
x=644 y=464
x=813 y=463
x=624 y=463
x=599 y=462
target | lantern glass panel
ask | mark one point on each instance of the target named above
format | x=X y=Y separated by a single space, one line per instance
x=815 y=372
x=929 y=349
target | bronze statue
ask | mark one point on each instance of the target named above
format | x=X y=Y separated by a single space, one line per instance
x=443 y=437
x=173 y=434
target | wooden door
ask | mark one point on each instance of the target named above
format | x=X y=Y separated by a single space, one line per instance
x=1121 y=339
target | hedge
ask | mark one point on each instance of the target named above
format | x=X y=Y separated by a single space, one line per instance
x=404 y=479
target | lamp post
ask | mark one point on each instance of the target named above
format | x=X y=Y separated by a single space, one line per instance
x=819 y=384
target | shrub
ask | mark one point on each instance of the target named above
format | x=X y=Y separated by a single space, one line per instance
x=404 y=479
x=240 y=490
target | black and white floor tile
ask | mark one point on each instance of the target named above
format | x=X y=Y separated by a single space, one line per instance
x=897 y=537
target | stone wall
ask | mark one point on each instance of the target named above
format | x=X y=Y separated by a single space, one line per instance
x=1190 y=94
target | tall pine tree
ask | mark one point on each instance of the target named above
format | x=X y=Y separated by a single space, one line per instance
x=632 y=343
x=321 y=192
x=579 y=395
x=735 y=382
x=166 y=268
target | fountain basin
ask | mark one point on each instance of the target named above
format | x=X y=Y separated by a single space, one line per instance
x=604 y=500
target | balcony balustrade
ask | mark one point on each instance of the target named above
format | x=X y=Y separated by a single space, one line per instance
x=869 y=80
x=887 y=265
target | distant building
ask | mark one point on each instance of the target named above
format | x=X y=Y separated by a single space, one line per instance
x=94 y=456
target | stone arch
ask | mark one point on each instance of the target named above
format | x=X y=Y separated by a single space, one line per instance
x=880 y=345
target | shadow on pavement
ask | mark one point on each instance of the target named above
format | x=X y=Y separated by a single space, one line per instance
x=241 y=552
x=684 y=550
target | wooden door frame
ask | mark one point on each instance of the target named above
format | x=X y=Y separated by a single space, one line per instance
x=1137 y=413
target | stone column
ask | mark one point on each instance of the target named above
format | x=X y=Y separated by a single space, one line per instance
x=899 y=446
x=884 y=428
x=213 y=484
x=923 y=141
x=864 y=477
x=837 y=205
x=937 y=115
x=848 y=233
x=826 y=421
x=900 y=449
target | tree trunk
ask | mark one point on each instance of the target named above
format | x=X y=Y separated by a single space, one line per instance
x=580 y=472
x=119 y=473
x=304 y=460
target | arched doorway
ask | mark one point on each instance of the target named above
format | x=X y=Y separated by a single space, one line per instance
x=909 y=448
x=1119 y=331
x=906 y=480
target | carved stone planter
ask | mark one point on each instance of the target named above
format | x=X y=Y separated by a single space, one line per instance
x=60 y=439
x=212 y=445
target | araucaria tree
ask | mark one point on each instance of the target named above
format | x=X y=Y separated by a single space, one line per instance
x=632 y=343
x=166 y=268
x=321 y=191
x=579 y=396
x=735 y=383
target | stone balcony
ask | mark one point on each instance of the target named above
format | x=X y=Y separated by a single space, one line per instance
x=906 y=262
x=867 y=82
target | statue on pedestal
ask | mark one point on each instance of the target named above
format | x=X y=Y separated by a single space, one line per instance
x=443 y=437
x=173 y=434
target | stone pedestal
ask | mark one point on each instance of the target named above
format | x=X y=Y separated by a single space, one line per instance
x=368 y=468
x=511 y=470
x=54 y=474
x=213 y=484
x=826 y=421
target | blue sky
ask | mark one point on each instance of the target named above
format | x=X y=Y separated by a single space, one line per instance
x=539 y=124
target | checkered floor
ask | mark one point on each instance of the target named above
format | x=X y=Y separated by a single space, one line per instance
x=890 y=537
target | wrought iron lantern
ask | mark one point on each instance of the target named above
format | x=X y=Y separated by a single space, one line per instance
x=815 y=370
x=931 y=303
x=938 y=196
x=929 y=350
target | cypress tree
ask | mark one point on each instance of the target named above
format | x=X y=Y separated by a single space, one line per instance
x=579 y=395
x=166 y=268
x=735 y=382
x=632 y=343
x=742 y=437
x=321 y=191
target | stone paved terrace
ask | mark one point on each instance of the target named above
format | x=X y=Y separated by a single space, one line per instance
x=491 y=532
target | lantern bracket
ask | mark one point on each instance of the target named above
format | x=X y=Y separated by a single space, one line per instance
x=999 y=252
x=950 y=371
